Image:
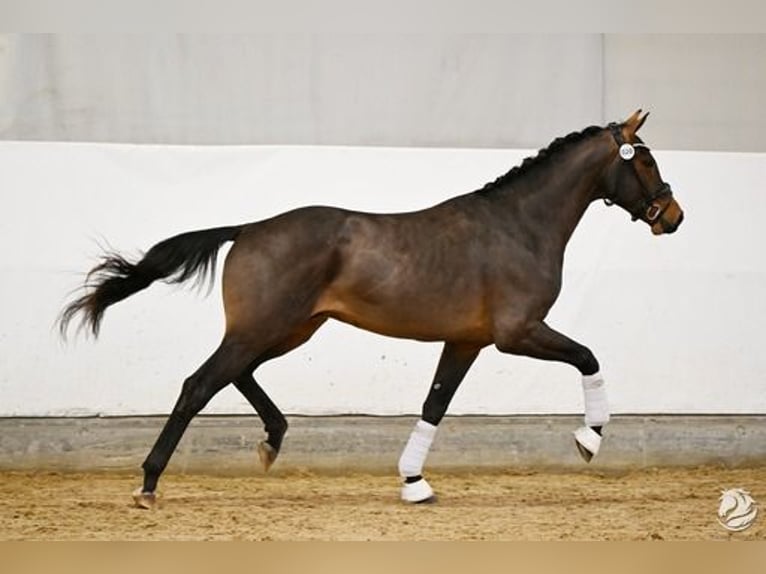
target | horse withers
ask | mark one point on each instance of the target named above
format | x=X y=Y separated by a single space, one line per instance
x=479 y=269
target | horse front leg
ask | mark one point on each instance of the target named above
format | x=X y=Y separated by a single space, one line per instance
x=541 y=342
x=453 y=365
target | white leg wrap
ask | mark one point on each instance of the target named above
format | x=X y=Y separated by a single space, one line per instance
x=596 y=404
x=415 y=453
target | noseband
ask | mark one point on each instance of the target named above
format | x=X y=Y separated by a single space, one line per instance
x=649 y=207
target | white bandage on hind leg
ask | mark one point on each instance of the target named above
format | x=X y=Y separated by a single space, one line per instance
x=415 y=453
x=596 y=404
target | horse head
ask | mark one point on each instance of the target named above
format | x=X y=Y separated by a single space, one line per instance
x=632 y=180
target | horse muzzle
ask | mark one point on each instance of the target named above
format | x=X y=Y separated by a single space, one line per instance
x=669 y=221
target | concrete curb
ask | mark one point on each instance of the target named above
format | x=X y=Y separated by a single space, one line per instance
x=226 y=444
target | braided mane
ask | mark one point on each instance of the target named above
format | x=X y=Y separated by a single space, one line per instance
x=542 y=155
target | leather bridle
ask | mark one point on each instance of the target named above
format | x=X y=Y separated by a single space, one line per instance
x=649 y=207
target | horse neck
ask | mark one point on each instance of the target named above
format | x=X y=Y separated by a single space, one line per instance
x=553 y=197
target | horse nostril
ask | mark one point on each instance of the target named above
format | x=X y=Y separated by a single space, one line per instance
x=680 y=219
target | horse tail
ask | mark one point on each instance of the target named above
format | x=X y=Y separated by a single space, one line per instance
x=174 y=260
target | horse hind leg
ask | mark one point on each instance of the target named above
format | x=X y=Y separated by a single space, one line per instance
x=217 y=372
x=275 y=423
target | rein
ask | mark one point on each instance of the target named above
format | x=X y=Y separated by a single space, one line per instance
x=650 y=206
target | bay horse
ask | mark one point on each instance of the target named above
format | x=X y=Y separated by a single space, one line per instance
x=476 y=270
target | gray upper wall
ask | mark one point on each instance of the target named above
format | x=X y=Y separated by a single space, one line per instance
x=503 y=91
x=705 y=92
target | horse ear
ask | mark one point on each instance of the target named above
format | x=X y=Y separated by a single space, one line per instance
x=634 y=122
x=642 y=120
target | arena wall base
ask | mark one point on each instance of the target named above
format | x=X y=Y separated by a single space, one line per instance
x=343 y=444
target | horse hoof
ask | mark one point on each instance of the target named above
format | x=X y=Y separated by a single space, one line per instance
x=588 y=442
x=419 y=492
x=586 y=455
x=145 y=500
x=267 y=454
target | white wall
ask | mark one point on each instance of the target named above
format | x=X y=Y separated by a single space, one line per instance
x=674 y=320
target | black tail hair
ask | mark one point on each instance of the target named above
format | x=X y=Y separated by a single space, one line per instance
x=173 y=260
